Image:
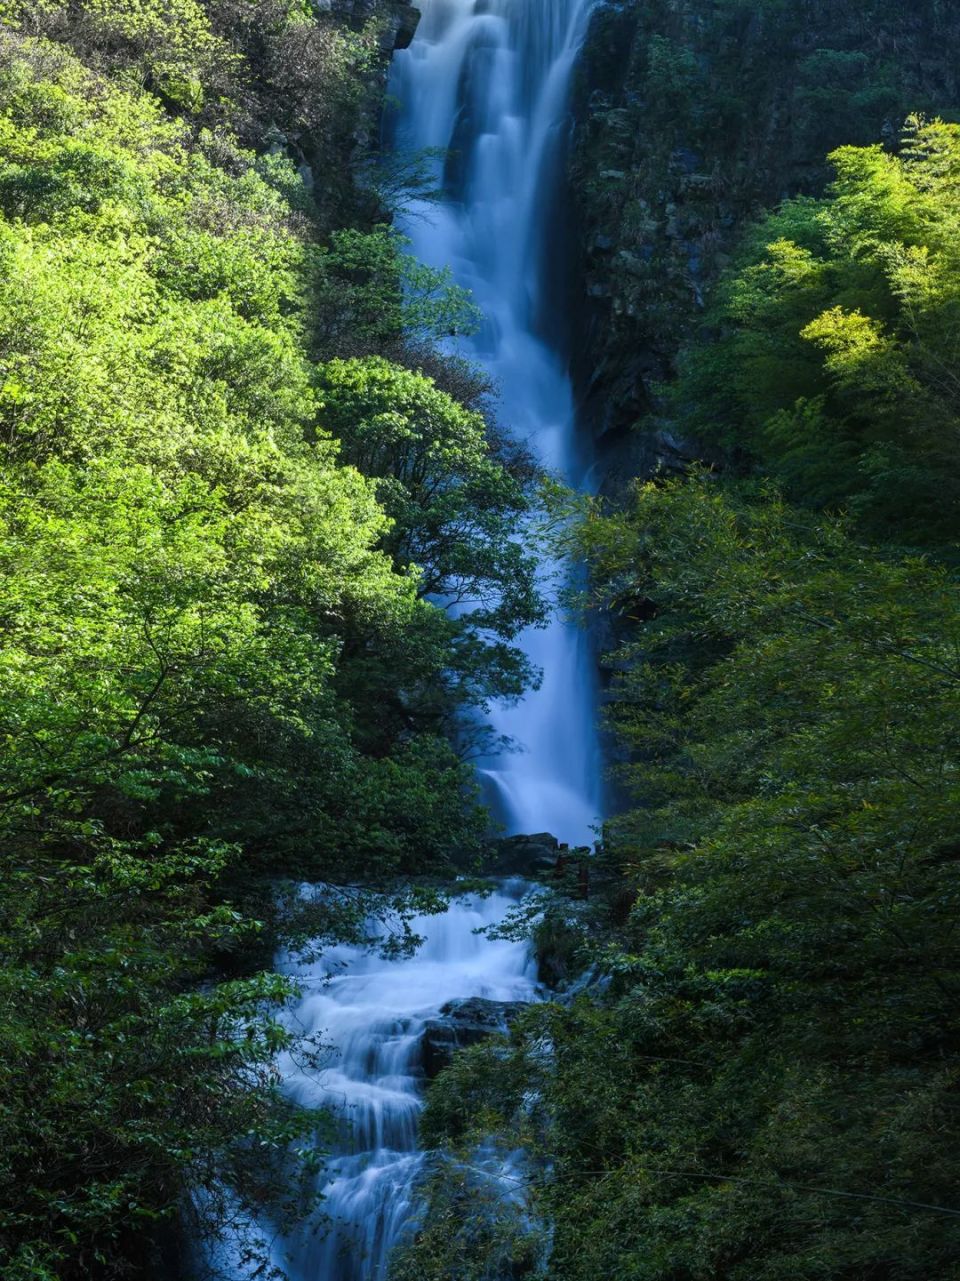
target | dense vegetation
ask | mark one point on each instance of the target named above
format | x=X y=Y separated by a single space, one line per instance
x=222 y=512
x=693 y=118
x=834 y=366
x=236 y=477
x=766 y=1083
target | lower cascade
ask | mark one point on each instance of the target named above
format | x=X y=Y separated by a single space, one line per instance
x=384 y=1024
x=485 y=82
x=377 y=1013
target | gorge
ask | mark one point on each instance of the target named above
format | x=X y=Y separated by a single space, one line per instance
x=391 y=404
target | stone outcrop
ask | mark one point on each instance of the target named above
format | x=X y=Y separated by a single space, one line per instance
x=527 y=856
x=407 y=21
x=463 y=1023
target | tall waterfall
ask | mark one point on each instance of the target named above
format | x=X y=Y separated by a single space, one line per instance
x=488 y=81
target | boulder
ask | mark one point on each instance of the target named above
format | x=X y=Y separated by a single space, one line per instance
x=408 y=19
x=463 y=1023
x=527 y=856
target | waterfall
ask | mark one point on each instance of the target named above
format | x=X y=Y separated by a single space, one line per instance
x=371 y=1013
x=487 y=81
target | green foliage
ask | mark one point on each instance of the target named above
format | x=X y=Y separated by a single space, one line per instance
x=118 y=1088
x=219 y=668
x=369 y=291
x=838 y=332
x=289 y=78
x=474 y=1231
x=766 y=1085
x=695 y=116
x=455 y=501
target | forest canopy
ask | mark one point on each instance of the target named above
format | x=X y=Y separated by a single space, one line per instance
x=750 y=1069
x=838 y=332
x=223 y=665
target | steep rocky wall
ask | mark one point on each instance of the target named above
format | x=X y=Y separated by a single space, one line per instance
x=691 y=117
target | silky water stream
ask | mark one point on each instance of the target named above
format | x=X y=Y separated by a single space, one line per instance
x=488 y=82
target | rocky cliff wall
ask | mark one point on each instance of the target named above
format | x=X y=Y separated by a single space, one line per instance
x=692 y=116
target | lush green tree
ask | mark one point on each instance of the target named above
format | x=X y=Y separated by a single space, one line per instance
x=281 y=74
x=694 y=118
x=455 y=494
x=197 y=586
x=837 y=335
x=371 y=295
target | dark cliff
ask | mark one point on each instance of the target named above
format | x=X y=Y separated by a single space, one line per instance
x=693 y=116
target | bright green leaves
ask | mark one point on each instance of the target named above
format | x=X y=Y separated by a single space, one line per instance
x=187 y=567
x=837 y=332
x=129 y=600
x=455 y=500
x=170 y=43
x=217 y=670
x=859 y=356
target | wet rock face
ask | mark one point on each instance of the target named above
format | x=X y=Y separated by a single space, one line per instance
x=407 y=21
x=527 y=856
x=463 y=1023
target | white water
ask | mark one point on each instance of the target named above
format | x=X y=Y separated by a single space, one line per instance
x=372 y=1012
x=490 y=80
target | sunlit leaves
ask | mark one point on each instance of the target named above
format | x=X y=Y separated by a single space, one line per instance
x=838 y=329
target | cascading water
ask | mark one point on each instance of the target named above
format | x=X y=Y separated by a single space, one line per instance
x=372 y=1013
x=488 y=81
x=375 y=1015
